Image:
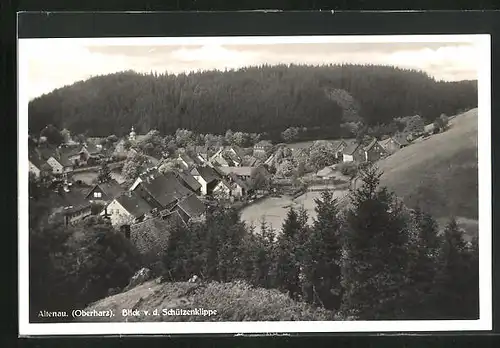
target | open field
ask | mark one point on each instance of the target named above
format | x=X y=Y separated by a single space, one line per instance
x=274 y=209
x=439 y=173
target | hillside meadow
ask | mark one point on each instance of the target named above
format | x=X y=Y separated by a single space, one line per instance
x=440 y=173
x=234 y=301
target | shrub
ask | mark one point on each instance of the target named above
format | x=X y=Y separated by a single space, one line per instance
x=348 y=168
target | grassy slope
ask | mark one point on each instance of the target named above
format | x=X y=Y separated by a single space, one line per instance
x=234 y=301
x=440 y=172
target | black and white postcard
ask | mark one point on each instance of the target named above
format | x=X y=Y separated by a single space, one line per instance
x=254 y=184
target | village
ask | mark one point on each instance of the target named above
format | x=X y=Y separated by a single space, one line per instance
x=180 y=187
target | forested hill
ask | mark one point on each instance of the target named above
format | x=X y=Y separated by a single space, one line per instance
x=256 y=99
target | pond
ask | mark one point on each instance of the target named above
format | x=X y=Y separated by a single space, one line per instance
x=274 y=209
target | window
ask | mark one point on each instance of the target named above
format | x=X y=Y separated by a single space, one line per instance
x=97 y=194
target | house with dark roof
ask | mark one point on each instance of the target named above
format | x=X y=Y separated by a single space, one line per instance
x=161 y=191
x=60 y=164
x=339 y=147
x=152 y=236
x=239 y=186
x=188 y=180
x=104 y=192
x=186 y=161
x=190 y=209
x=357 y=152
x=373 y=151
x=207 y=177
x=127 y=208
x=69 y=205
x=394 y=143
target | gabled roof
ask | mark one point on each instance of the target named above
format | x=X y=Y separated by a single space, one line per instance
x=239 y=151
x=207 y=173
x=110 y=188
x=72 y=200
x=370 y=145
x=337 y=143
x=401 y=139
x=192 y=206
x=351 y=147
x=238 y=181
x=188 y=179
x=133 y=203
x=385 y=142
x=249 y=161
x=186 y=158
x=165 y=189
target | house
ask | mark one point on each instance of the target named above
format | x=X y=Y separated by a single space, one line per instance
x=190 y=209
x=221 y=158
x=35 y=164
x=160 y=191
x=373 y=151
x=207 y=177
x=152 y=236
x=239 y=187
x=250 y=161
x=261 y=148
x=71 y=205
x=357 y=152
x=77 y=155
x=188 y=180
x=236 y=153
x=60 y=165
x=223 y=189
x=243 y=173
x=126 y=208
x=104 y=192
x=339 y=147
x=394 y=143
x=186 y=161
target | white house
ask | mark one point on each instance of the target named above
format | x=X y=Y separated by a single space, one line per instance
x=126 y=209
x=59 y=166
x=207 y=178
x=223 y=189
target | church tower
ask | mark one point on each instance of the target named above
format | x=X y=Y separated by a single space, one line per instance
x=132 y=134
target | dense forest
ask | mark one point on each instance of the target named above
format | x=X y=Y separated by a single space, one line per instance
x=263 y=99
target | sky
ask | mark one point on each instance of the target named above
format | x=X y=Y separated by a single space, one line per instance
x=54 y=63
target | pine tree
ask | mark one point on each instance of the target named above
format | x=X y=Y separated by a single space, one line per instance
x=375 y=252
x=288 y=267
x=324 y=253
x=423 y=265
x=453 y=298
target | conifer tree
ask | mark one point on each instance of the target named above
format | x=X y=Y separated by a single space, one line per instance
x=324 y=253
x=453 y=286
x=288 y=267
x=375 y=252
x=423 y=265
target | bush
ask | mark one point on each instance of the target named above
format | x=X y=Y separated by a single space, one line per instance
x=348 y=168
